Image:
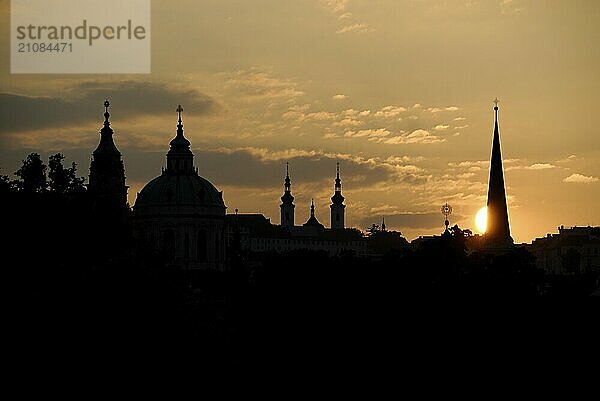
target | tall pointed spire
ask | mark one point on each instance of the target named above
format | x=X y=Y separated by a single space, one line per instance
x=337 y=202
x=383 y=228
x=287 y=200
x=498 y=230
x=312 y=220
x=107 y=173
x=107 y=144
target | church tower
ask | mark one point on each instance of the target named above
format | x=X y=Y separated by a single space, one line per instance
x=497 y=235
x=107 y=174
x=287 y=201
x=337 y=206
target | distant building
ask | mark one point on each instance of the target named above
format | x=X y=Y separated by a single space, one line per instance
x=256 y=233
x=571 y=251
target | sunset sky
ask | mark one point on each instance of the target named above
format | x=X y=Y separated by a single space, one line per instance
x=399 y=92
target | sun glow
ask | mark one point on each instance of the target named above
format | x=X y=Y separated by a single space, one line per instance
x=481 y=219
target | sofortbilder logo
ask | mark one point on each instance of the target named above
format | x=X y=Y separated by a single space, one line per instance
x=80 y=36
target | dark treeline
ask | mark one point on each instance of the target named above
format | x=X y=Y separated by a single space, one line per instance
x=73 y=272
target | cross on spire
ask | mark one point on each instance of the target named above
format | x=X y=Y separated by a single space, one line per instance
x=496 y=101
x=106 y=113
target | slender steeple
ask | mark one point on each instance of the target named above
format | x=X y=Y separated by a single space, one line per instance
x=312 y=220
x=337 y=207
x=180 y=159
x=383 y=228
x=287 y=200
x=107 y=144
x=107 y=173
x=497 y=234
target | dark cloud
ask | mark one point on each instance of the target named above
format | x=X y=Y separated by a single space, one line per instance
x=241 y=168
x=83 y=103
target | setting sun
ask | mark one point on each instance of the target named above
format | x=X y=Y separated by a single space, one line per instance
x=481 y=219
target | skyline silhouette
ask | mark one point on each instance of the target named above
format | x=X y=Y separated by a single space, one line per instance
x=397 y=92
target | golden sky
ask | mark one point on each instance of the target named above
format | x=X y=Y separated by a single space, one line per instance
x=399 y=92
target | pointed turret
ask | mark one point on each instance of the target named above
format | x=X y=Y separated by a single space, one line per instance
x=287 y=200
x=497 y=234
x=383 y=228
x=107 y=173
x=337 y=206
x=312 y=220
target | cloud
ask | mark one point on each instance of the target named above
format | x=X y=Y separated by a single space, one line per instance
x=580 y=179
x=321 y=115
x=438 y=109
x=460 y=118
x=347 y=122
x=417 y=136
x=567 y=159
x=469 y=163
x=354 y=28
x=260 y=86
x=540 y=166
x=441 y=127
x=535 y=166
x=390 y=111
x=336 y=6
x=83 y=102
x=462 y=126
x=404 y=159
x=339 y=97
x=264 y=168
x=370 y=133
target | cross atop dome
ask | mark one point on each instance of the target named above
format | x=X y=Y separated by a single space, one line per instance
x=179 y=111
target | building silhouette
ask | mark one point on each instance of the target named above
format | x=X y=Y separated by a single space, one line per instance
x=337 y=206
x=497 y=235
x=182 y=214
x=573 y=250
x=287 y=201
x=257 y=235
x=106 y=186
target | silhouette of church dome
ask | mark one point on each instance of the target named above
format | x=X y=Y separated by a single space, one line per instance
x=180 y=189
x=179 y=183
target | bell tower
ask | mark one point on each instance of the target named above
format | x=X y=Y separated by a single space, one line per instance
x=287 y=201
x=337 y=206
x=107 y=173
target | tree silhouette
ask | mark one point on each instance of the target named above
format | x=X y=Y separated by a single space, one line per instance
x=63 y=180
x=5 y=184
x=32 y=174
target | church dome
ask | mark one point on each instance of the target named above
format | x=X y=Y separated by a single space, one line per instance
x=181 y=190
x=179 y=184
